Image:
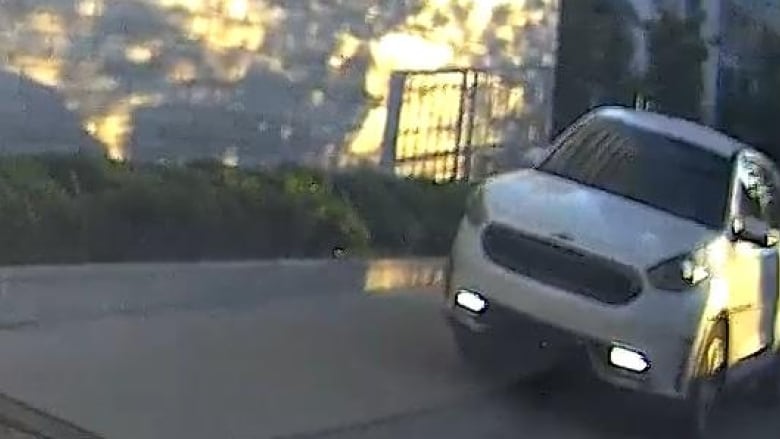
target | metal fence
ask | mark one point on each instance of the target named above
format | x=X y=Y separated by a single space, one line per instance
x=464 y=124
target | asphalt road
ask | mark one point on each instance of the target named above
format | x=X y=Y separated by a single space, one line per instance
x=302 y=363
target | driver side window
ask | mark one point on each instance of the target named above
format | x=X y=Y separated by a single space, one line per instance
x=757 y=191
x=772 y=199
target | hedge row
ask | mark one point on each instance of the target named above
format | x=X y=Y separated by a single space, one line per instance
x=71 y=209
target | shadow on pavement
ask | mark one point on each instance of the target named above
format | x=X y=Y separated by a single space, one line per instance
x=606 y=412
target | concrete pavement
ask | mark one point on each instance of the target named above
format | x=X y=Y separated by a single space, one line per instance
x=46 y=295
x=279 y=350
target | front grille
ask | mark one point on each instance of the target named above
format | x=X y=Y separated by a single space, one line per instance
x=561 y=266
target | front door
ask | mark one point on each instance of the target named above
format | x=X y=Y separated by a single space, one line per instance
x=753 y=268
x=770 y=299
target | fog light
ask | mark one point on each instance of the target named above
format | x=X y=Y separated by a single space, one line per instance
x=629 y=359
x=471 y=301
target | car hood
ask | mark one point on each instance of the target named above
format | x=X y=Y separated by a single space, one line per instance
x=596 y=221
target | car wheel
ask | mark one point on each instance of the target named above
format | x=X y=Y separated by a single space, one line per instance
x=706 y=388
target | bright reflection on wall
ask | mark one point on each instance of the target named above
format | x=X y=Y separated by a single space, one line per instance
x=139 y=54
x=440 y=36
x=320 y=67
x=386 y=275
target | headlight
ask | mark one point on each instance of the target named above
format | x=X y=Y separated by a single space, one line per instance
x=471 y=301
x=628 y=358
x=680 y=273
x=476 y=212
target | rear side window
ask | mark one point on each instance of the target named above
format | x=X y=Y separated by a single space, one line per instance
x=773 y=201
x=751 y=184
x=757 y=197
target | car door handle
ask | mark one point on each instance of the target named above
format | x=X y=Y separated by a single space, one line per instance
x=741 y=308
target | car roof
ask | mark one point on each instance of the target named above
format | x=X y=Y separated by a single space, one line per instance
x=680 y=129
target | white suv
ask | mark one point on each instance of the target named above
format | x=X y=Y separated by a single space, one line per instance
x=647 y=242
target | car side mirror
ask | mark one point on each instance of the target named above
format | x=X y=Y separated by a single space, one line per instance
x=754 y=231
x=772 y=238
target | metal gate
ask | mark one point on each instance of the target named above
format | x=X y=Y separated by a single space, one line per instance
x=464 y=124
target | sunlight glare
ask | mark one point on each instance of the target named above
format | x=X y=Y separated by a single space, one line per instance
x=437 y=36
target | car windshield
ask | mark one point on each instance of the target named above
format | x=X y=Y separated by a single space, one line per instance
x=656 y=170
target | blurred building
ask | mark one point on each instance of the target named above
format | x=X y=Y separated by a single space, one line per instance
x=466 y=123
x=731 y=30
x=255 y=81
x=745 y=23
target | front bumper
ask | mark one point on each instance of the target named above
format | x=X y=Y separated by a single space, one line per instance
x=660 y=325
x=666 y=376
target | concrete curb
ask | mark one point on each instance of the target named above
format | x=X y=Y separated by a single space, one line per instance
x=35 y=295
x=23 y=271
x=38 y=424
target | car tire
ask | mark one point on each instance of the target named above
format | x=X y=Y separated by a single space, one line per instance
x=706 y=389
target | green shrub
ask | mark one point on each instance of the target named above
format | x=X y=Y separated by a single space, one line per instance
x=406 y=216
x=37 y=220
x=69 y=208
x=184 y=214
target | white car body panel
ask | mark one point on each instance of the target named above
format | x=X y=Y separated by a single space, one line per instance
x=597 y=221
x=668 y=326
x=663 y=324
